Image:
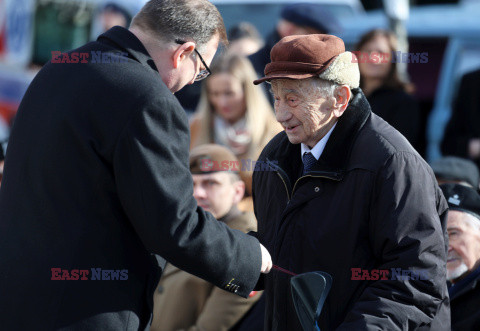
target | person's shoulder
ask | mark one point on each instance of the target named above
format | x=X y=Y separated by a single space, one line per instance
x=245 y=222
x=378 y=141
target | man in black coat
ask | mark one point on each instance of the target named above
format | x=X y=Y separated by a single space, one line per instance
x=345 y=193
x=463 y=264
x=97 y=179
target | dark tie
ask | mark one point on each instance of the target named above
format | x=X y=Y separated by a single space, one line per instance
x=308 y=162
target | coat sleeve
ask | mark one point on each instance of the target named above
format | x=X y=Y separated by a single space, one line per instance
x=155 y=187
x=407 y=219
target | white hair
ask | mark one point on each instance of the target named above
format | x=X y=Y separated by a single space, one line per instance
x=457 y=272
x=472 y=221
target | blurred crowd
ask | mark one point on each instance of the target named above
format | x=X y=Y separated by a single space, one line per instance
x=230 y=118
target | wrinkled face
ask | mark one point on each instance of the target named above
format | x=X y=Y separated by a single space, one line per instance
x=216 y=192
x=463 y=246
x=226 y=95
x=375 y=58
x=302 y=110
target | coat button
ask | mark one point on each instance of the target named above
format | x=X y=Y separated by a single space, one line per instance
x=317 y=189
x=160 y=289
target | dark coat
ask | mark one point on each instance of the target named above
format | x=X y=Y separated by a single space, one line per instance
x=370 y=202
x=464 y=123
x=97 y=176
x=465 y=303
x=399 y=109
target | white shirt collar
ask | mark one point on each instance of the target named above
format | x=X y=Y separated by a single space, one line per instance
x=317 y=150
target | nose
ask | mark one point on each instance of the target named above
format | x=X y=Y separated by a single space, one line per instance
x=199 y=192
x=282 y=113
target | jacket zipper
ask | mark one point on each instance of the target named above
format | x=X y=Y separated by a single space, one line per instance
x=295 y=185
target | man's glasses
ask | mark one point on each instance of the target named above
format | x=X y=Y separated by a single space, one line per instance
x=204 y=73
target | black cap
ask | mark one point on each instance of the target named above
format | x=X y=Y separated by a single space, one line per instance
x=456 y=169
x=311 y=15
x=462 y=198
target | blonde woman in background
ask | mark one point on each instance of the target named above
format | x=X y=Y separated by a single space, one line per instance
x=235 y=113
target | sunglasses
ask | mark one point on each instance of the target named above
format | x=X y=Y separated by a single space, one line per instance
x=204 y=73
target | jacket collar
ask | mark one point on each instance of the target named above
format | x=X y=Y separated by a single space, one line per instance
x=125 y=40
x=334 y=159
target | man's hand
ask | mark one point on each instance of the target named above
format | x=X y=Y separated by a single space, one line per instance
x=266 y=260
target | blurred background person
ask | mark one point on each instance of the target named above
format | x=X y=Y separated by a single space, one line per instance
x=388 y=95
x=463 y=264
x=234 y=113
x=114 y=14
x=295 y=19
x=183 y=301
x=452 y=169
x=244 y=39
x=462 y=134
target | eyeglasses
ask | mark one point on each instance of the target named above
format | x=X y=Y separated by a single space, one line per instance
x=204 y=73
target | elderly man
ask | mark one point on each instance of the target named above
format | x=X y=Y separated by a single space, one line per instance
x=463 y=264
x=97 y=181
x=346 y=194
x=183 y=301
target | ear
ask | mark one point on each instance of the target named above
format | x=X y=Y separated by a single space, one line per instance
x=239 y=188
x=342 y=96
x=182 y=52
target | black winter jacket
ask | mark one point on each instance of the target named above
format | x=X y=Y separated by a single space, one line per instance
x=370 y=202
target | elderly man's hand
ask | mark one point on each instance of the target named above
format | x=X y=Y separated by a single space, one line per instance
x=266 y=260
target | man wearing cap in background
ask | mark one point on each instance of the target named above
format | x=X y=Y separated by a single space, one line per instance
x=295 y=19
x=345 y=192
x=453 y=169
x=184 y=301
x=463 y=264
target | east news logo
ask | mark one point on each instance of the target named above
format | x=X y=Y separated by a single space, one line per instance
x=92 y=274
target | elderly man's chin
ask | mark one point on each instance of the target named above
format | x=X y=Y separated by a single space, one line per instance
x=295 y=138
x=457 y=272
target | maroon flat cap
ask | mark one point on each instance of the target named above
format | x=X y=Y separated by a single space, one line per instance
x=314 y=55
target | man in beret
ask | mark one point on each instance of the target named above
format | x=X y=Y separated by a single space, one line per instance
x=463 y=264
x=183 y=301
x=346 y=194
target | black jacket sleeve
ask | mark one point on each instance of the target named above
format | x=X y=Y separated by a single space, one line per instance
x=156 y=190
x=407 y=212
